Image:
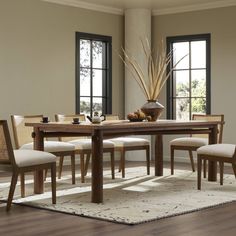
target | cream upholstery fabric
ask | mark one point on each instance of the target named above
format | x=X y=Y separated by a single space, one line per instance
x=189 y=141
x=25 y=158
x=51 y=146
x=129 y=142
x=221 y=150
x=83 y=144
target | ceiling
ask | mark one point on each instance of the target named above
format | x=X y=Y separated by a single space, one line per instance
x=158 y=7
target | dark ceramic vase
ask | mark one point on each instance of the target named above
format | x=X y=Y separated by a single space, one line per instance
x=152 y=109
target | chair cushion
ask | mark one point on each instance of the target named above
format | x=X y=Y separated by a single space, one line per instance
x=25 y=158
x=189 y=141
x=51 y=146
x=219 y=150
x=86 y=144
x=129 y=142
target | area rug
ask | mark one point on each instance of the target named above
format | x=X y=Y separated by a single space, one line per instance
x=135 y=199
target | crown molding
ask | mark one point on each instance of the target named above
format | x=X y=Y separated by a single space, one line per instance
x=197 y=7
x=89 y=6
x=164 y=11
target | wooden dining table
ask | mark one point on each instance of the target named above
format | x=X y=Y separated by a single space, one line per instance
x=109 y=129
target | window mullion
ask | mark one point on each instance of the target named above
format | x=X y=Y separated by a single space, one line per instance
x=104 y=76
x=171 y=98
x=91 y=77
x=190 y=82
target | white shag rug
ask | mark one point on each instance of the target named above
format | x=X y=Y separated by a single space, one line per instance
x=136 y=199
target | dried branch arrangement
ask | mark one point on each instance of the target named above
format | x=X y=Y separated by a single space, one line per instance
x=157 y=64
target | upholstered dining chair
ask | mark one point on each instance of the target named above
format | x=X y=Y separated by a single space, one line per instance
x=195 y=141
x=222 y=153
x=23 y=141
x=21 y=161
x=83 y=146
x=124 y=144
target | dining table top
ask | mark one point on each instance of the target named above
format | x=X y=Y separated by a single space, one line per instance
x=120 y=125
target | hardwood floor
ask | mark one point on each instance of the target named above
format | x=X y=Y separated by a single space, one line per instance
x=24 y=221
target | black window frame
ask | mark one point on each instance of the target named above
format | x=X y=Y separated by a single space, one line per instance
x=107 y=90
x=170 y=89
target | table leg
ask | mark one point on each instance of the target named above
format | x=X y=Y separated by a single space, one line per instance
x=212 y=165
x=159 y=155
x=38 y=175
x=97 y=167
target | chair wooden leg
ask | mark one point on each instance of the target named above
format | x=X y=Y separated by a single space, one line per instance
x=191 y=160
x=221 y=164
x=172 y=151
x=148 y=159
x=53 y=182
x=199 y=172
x=112 y=165
x=73 y=168
x=122 y=162
x=234 y=169
x=82 y=167
x=45 y=174
x=12 y=189
x=22 y=184
x=204 y=168
x=86 y=164
x=61 y=160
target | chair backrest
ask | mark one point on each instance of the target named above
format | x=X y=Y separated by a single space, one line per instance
x=22 y=133
x=111 y=117
x=62 y=118
x=6 y=150
x=219 y=118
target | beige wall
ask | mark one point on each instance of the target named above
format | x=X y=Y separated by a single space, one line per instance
x=221 y=24
x=37 y=55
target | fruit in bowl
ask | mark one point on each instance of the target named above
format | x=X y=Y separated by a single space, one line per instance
x=136 y=116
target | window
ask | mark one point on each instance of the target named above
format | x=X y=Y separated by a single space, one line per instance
x=93 y=73
x=188 y=89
